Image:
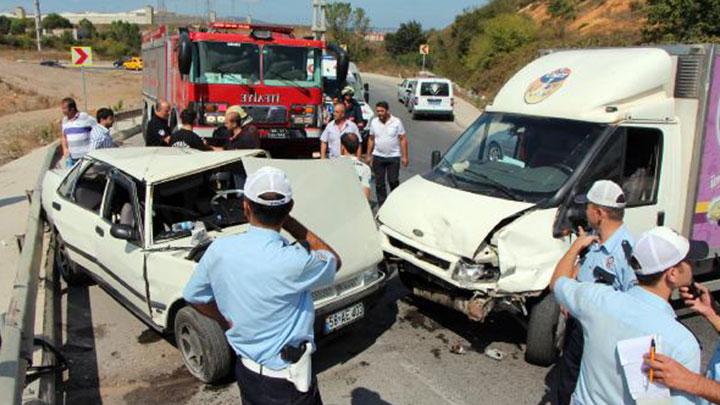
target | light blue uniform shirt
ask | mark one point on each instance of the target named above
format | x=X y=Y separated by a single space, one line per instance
x=610 y=257
x=609 y=316
x=713 y=371
x=262 y=285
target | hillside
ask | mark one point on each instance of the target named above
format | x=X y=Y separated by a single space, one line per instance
x=594 y=17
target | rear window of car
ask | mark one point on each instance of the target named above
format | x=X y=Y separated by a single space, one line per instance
x=435 y=89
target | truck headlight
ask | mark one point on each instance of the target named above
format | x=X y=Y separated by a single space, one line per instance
x=469 y=272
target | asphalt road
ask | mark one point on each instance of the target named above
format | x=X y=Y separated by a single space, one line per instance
x=400 y=354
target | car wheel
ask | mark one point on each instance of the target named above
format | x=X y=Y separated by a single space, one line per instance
x=203 y=347
x=495 y=152
x=545 y=332
x=415 y=115
x=69 y=270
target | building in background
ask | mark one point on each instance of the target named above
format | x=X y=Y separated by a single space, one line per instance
x=142 y=16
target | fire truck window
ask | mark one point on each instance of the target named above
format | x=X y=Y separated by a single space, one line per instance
x=299 y=66
x=227 y=63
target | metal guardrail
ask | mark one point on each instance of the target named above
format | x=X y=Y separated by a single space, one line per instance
x=17 y=328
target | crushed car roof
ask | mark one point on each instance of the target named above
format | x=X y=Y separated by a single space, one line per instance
x=157 y=164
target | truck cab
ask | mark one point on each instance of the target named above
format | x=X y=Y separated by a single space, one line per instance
x=498 y=207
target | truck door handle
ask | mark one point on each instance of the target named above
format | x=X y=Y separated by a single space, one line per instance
x=56 y=206
x=660 y=218
x=99 y=231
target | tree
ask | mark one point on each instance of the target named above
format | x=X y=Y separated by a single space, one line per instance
x=86 y=29
x=18 y=26
x=682 y=20
x=406 y=39
x=348 y=26
x=5 y=23
x=563 y=9
x=126 y=33
x=53 y=21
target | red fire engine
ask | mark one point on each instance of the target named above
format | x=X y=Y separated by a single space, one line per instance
x=274 y=76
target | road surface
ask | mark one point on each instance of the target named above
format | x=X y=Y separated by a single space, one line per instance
x=399 y=355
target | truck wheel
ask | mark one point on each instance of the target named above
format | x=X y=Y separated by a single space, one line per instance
x=545 y=331
x=69 y=270
x=203 y=347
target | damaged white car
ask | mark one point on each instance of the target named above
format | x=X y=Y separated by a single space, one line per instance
x=136 y=221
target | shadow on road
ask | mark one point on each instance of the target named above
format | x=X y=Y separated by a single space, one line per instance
x=340 y=348
x=364 y=396
x=82 y=385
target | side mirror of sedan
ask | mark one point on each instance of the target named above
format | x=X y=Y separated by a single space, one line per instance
x=435 y=158
x=123 y=232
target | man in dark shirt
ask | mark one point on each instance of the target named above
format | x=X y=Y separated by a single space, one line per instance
x=185 y=137
x=158 y=129
x=243 y=134
x=353 y=111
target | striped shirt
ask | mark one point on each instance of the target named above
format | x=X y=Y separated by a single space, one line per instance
x=100 y=138
x=77 y=134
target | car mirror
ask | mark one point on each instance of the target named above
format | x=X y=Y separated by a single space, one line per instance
x=435 y=158
x=366 y=96
x=123 y=232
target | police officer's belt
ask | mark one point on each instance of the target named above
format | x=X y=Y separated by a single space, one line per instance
x=262 y=370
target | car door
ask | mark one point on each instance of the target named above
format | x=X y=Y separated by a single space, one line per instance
x=401 y=90
x=123 y=261
x=76 y=207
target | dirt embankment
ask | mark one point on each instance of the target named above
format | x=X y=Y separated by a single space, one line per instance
x=30 y=96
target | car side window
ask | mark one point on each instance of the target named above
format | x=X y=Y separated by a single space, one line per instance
x=120 y=206
x=66 y=187
x=90 y=187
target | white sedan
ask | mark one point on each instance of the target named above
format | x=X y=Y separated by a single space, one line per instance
x=131 y=219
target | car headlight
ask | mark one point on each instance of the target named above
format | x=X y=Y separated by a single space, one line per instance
x=469 y=272
x=211 y=119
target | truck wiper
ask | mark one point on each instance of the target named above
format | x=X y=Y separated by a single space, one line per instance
x=495 y=184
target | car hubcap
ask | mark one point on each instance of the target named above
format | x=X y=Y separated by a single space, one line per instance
x=190 y=348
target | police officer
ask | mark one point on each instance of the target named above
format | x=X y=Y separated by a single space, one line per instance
x=603 y=261
x=661 y=261
x=353 y=111
x=258 y=285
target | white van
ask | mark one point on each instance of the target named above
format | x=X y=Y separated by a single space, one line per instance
x=354 y=79
x=489 y=222
x=431 y=97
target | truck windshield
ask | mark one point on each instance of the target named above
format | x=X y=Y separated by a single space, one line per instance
x=516 y=157
x=227 y=63
x=291 y=66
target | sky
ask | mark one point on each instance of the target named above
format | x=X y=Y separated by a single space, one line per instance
x=383 y=13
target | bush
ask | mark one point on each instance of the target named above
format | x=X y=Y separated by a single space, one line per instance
x=682 y=21
x=18 y=26
x=502 y=34
x=5 y=25
x=53 y=21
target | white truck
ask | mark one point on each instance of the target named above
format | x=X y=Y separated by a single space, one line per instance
x=491 y=219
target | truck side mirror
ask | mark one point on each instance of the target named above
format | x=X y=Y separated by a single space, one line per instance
x=184 y=54
x=123 y=232
x=366 y=87
x=366 y=96
x=435 y=158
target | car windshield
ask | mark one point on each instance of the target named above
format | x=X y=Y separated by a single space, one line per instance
x=227 y=63
x=516 y=157
x=435 y=89
x=207 y=197
x=291 y=66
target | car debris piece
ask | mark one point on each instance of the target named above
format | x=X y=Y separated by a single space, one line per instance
x=495 y=354
x=459 y=348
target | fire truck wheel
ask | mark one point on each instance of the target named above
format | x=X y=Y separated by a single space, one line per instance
x=203 y=347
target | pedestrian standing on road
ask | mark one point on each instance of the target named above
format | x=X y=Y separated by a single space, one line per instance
x=258 y=285
x=353 y=111
x=605 y=261
x=673 y=374
x=76 y=128
x=387 y=149
x=243 y=134
x=158 y=129
x=661 y=261
x=185 y=137
x=350 y=143
x=100 y=137
x=330 y=138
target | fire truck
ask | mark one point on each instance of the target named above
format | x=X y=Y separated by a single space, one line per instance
x=274 y=76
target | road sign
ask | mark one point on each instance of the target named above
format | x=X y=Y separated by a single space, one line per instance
x=424 y=49
x=81 y=56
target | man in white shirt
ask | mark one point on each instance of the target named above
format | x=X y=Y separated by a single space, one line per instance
x=76 y=127
x=387 y=148
x=350 y=146
x=330 y=138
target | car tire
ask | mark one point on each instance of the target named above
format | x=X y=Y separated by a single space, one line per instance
x=202 y=346
x=545 y=332
x=70 y=271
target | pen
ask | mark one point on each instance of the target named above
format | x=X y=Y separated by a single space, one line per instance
x=652 y=357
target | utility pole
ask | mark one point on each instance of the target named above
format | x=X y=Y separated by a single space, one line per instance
x=38 y=27
x=319 y=23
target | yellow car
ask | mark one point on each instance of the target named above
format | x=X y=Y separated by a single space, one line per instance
x=134 y=63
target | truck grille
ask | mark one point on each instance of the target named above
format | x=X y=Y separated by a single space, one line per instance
x=687 y=80
x=338 y=289
x=264 y=114
x=419 y=254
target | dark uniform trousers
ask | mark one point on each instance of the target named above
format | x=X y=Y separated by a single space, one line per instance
x=256 y=389
x=383 y=167
x=568 y=366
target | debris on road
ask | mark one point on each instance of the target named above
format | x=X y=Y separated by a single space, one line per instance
x=495 y=354
x=459 y=348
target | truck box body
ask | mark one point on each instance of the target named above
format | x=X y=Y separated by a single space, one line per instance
x=497 y=212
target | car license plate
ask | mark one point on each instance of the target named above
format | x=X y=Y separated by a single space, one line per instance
x=344 y=317
x=278 y=133
x=434 y=101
